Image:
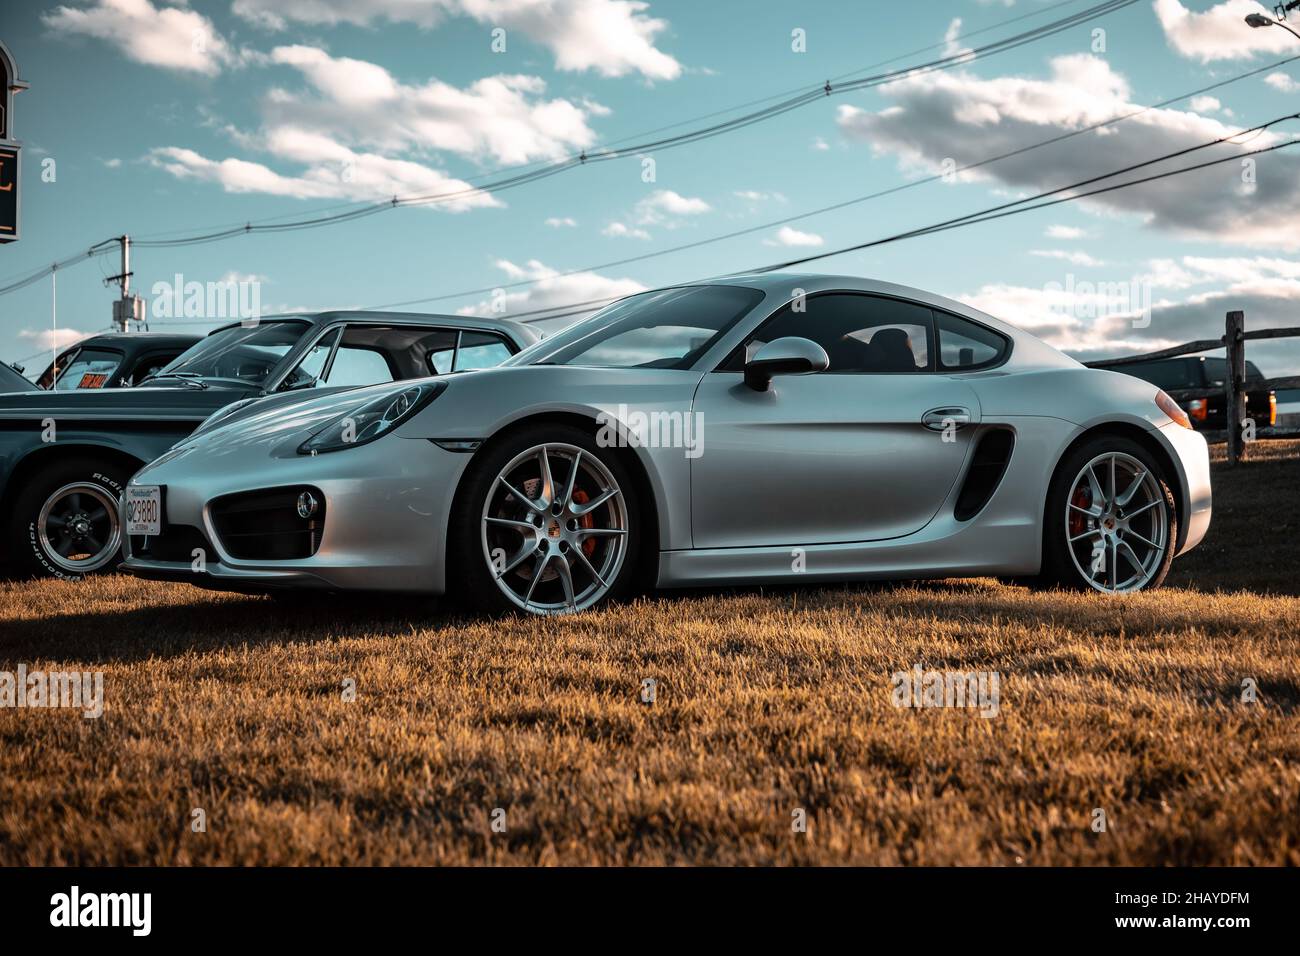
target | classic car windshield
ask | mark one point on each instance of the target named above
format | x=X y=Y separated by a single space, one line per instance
x=663 y=328
x=244 y=353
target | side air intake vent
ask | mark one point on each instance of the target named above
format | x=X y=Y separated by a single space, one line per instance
x=987 y=466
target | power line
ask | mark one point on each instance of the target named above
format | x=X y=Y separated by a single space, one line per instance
x=697 y=135
x=692 y=136
x=985 y=215
x=994 y=212
x=98 y=249
x=641 y=257
x=695 y=119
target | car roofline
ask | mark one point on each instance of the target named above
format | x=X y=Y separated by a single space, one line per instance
x=522 y=333
x=785 y=286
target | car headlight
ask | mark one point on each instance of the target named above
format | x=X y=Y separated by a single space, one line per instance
x=372 y=420
x=220 y=415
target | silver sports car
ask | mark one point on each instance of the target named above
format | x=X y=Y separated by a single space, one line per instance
x=755 y=429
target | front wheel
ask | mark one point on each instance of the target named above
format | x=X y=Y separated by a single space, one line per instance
x=1111 y=525
x=548 y=524
x=65 y=521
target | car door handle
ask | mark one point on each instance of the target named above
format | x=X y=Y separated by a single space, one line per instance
x=937 y=419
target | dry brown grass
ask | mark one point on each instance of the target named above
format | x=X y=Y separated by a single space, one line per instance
x=765 y=703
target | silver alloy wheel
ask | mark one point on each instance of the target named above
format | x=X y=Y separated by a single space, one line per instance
x=1118 y=524
x=78 y=527
x=554 y=542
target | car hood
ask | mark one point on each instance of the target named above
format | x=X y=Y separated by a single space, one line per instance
x=117 y=403
x=291 y=417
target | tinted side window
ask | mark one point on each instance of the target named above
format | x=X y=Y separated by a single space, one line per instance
x=966 y=345
x=861 y=334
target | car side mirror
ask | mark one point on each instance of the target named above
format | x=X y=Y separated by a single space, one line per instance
x=791 y=355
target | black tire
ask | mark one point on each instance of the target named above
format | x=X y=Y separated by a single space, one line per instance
x=470 y=576
x=95 y=483
x=1059 y=562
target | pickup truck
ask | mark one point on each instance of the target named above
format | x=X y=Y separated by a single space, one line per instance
x=1190 y=372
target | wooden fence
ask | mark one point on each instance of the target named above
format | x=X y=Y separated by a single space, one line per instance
x=1234 y=340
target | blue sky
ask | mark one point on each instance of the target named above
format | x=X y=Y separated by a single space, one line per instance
x=162 y=117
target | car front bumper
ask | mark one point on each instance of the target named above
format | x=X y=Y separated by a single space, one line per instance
x=1191 y=456
x=384 y=528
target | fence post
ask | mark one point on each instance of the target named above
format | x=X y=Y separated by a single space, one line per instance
x=1235 y=380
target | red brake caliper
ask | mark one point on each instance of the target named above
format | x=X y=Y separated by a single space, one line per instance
x=580 y=497
x=1082 y=499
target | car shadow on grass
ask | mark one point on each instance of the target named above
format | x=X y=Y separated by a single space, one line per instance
x=167 y=630
x=132 y=631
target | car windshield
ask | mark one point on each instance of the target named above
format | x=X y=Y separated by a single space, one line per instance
x=240 y=353
x=663 y=328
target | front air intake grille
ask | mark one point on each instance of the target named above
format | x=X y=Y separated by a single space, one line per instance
x=267 y=526
x=988 y=464
x=177 y=543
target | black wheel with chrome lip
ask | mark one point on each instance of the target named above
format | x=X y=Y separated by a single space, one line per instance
x=66 y=521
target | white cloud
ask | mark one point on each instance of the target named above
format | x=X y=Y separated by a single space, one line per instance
x=664 y=202
x=549 y=288
x=234 y=277
x=820 y=145
x=611 y=37
x=1207 y=104
x=1219 y=33
x=1205 y=288
x=1065 y=232
x=757 y=196
x=1282 y=82
x=358 y=133
x=53 y=338
x=663 y=207
x=1074 y=257
x=966 y=118
x=170 y=37
x=503 y=117
x=785 y=236
x=951 y=46
x=560 y=222
x=620 y=230
x=333 y=172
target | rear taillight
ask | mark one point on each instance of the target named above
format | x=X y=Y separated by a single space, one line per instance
x=1198 y=408
x=1170 y=408
x=1272 y=409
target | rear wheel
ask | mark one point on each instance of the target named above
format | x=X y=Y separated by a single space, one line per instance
x=547 y=524
x=66 y=521
x=1111 y=525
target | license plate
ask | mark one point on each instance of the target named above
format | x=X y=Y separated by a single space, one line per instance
x=144 y=509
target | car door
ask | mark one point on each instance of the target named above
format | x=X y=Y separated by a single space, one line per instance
x=867 y=450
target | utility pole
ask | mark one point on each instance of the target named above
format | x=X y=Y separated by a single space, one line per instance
x=129 y=308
